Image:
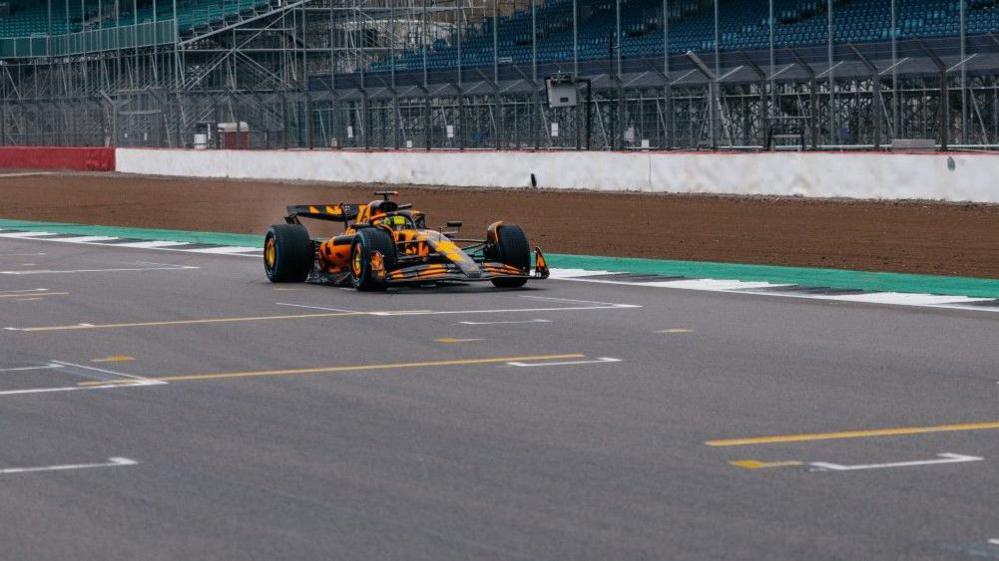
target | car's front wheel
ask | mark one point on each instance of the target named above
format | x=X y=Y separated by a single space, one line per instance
x=510 y=247
x=362 y=252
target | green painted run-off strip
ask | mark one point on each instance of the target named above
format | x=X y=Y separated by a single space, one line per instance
x=831 y=278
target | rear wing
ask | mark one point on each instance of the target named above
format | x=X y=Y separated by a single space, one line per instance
x=341 y=212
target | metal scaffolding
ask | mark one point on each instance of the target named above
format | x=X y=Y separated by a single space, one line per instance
x=326 y=74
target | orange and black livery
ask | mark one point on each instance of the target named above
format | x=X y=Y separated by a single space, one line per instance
x=385 y=243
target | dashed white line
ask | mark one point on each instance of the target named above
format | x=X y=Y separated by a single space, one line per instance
x=946 y=458
x=26 y=292
x=324 y=308
x=504 y=322
x=49 y=366
x=112 y=462
x=600 y=360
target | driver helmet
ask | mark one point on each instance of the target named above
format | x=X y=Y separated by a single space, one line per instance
x=396 y=222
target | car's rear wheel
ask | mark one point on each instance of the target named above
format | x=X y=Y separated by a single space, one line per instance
x=366 y=243
x=511 y=248
x=288 y=253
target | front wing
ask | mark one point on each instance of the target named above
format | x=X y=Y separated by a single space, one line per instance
x=444 y=272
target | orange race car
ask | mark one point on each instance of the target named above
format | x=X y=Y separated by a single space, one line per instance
x=385 y=244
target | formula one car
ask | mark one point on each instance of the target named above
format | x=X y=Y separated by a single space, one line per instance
x=385 y=244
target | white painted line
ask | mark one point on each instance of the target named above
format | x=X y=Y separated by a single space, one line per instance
x=109 y=386
x=992 y=309
x=601 y=360
x=225 y=250
x=85 y=239
x=113 y=270
x=27 y=368
x=452 y=340
x=905 y=299
x=26 y=234
x=150 y=245
x=946 y=458
x=29 y=291
x=112 y=462
x=105 y=371
x=994 y=542
x=314 y=307
x=711 y=285
x=577 y=273
x=504 y=322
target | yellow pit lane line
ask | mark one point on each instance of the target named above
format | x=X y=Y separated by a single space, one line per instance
x=843 y=435
x=335 y=369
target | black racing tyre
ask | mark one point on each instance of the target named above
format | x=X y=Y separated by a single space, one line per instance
x=288 y=253
x=511 y=249
x=367 y=241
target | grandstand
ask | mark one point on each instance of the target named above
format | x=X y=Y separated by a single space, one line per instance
x=742 y=26
x=29 y=18
x=470 y=73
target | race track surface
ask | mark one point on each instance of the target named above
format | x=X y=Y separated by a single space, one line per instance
x=160 y=405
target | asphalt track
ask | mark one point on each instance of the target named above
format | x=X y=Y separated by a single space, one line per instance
x=195 y=411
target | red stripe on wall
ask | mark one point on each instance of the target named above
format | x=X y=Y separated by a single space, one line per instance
x=57 y=157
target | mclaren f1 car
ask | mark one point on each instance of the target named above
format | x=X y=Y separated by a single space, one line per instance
x=386 y=244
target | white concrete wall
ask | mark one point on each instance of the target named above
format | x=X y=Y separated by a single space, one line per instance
x=970 y=177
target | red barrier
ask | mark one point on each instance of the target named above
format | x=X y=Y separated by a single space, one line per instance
x=57 y=157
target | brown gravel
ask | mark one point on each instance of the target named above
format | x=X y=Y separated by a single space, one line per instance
x=923 y=237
